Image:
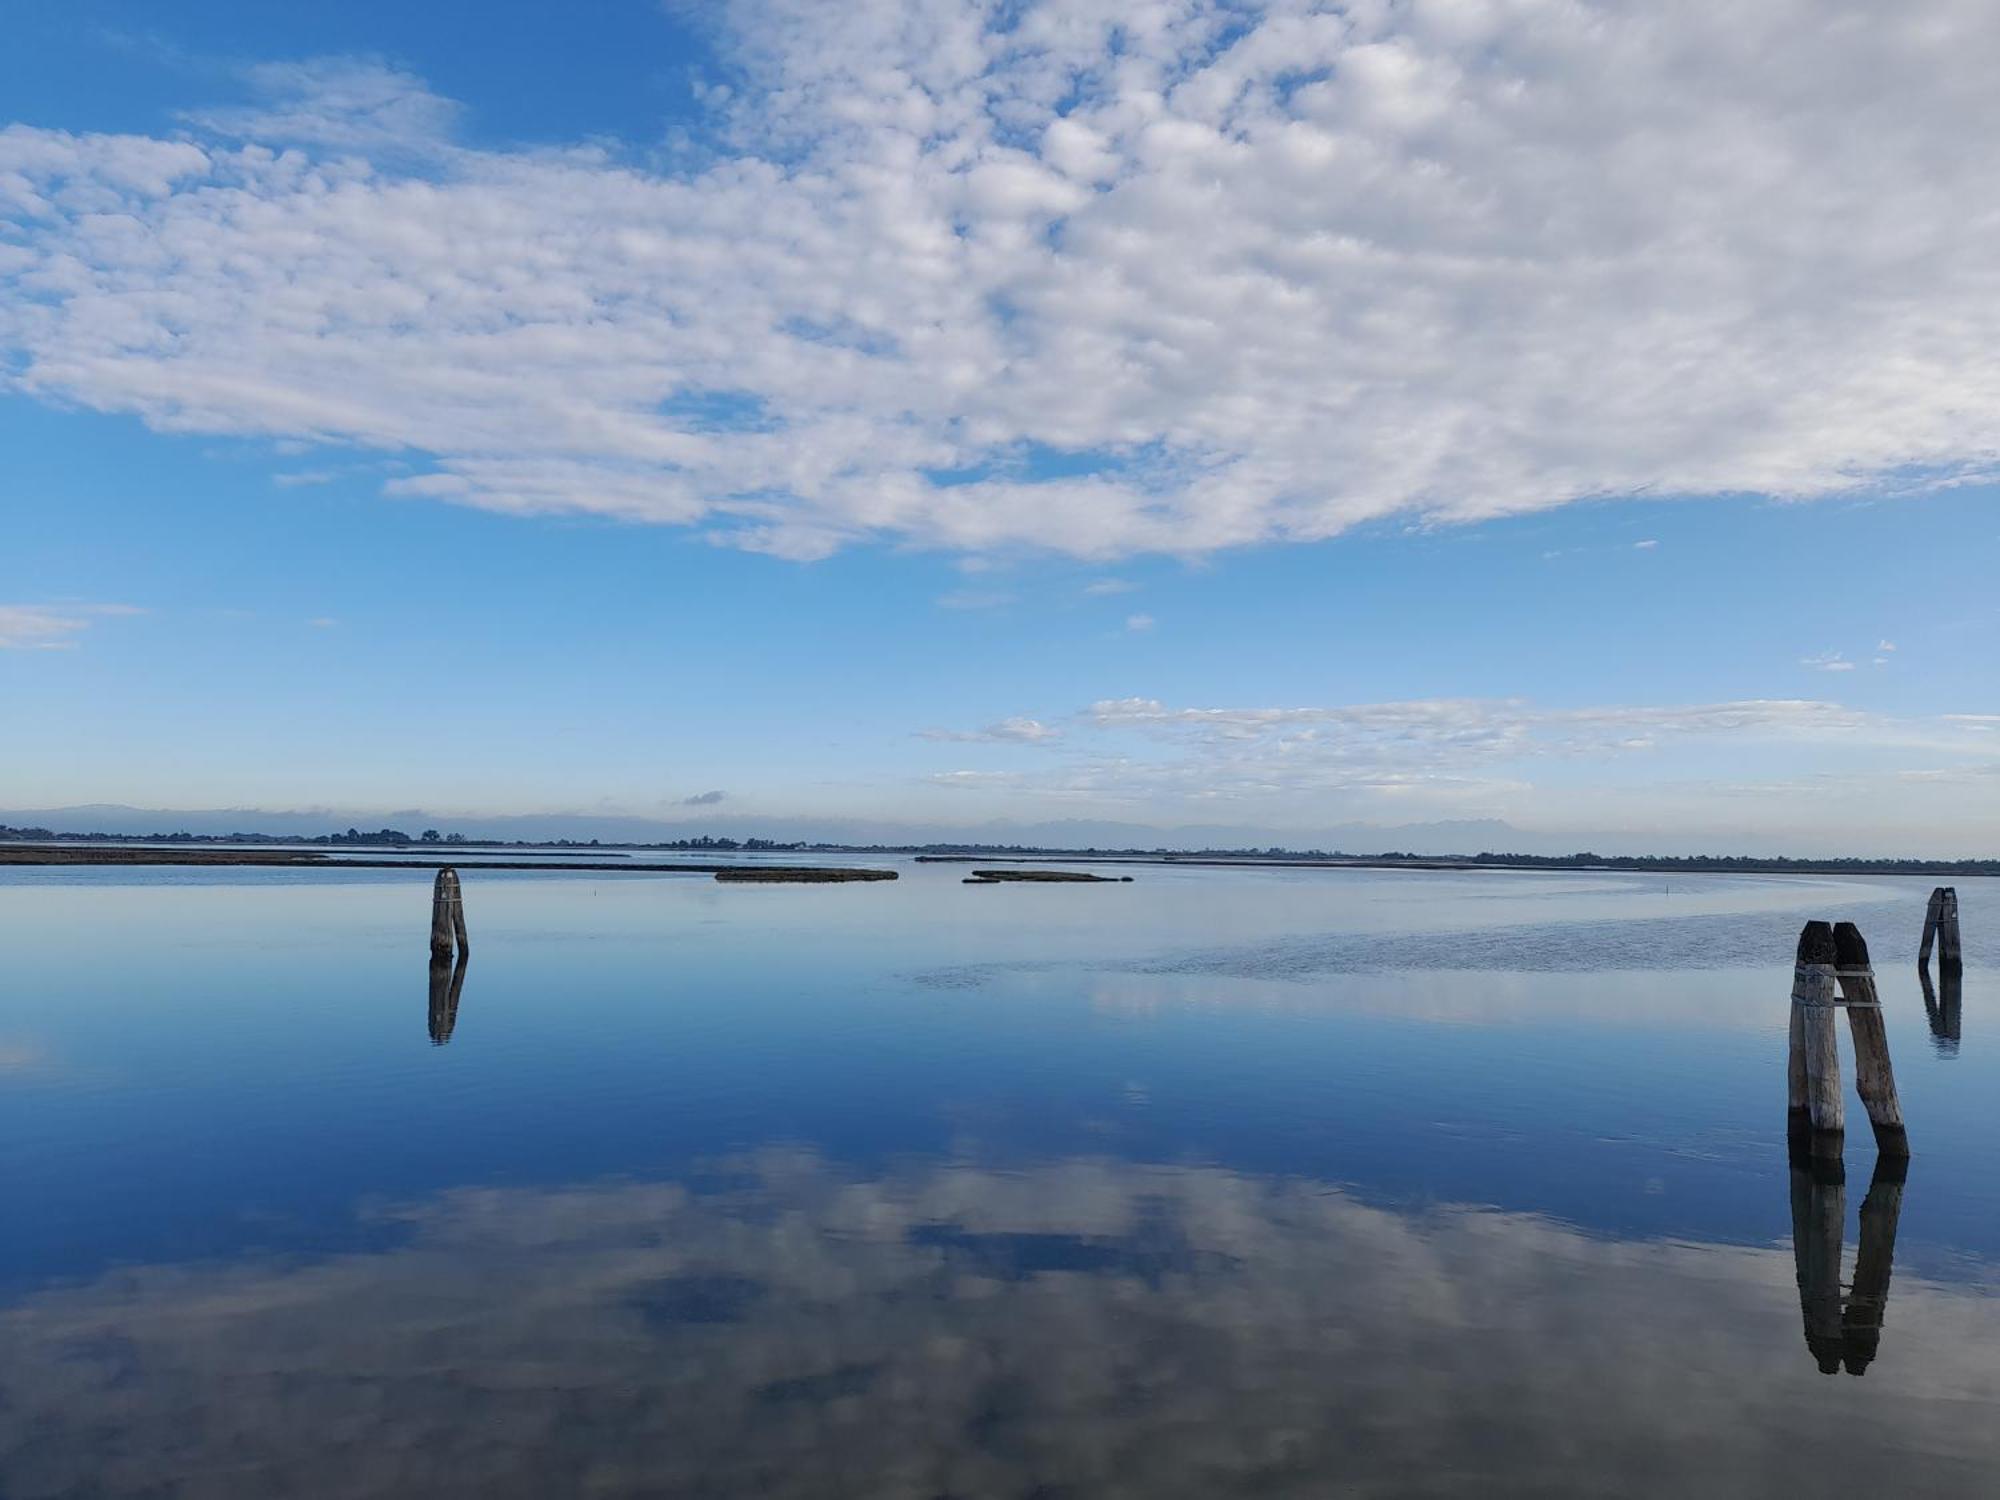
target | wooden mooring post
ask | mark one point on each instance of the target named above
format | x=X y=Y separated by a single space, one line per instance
x=1941 y=925
x=1814 y=1115
x=447 y=915
x=1874 y=1079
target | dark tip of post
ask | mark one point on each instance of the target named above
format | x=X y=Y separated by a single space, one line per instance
x=1849 y=946
x=1816 y=944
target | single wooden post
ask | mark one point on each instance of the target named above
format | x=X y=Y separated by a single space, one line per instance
x=1819 y=1212
x=1814 y=1039
x=1931 y=913
x=1949 y=961
x=1861 y=1323
x=1874 y=1079
x=447 y=914
x=458 y=918
x=447 y=980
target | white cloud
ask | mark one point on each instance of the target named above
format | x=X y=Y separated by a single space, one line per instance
x=1827 y=661
x=1245 y=273
x=1103 y=587
x=51 y=627
x=1885 y=646
x=1140 y=622
x=1019 y=731
x=1646 y=546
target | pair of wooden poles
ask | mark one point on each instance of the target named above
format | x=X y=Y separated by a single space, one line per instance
x=1833 y=973
x=1941 y=924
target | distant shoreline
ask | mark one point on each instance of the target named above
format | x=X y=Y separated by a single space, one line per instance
x=175 y=850
x=73 y=857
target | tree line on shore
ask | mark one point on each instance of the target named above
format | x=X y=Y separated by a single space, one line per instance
x=709 y=843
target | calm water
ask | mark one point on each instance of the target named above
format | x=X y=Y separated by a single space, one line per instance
x=1224 y=1182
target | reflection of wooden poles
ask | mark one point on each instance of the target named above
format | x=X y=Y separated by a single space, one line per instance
x=447 y=915
x=1861 y=1323
x=447 y=980
x=1812 y=1074
x=1843 y=1331
x=1874 y=1079
x=1945 y=1008
x=1941 y=923
x=1819 y=1209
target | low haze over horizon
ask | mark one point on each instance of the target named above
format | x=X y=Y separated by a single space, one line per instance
x=1573 y=422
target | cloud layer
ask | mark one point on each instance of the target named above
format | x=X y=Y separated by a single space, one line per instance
x=1481 y=756
x=1173 y=276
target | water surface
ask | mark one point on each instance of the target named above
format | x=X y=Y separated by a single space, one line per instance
x=1274 y=1182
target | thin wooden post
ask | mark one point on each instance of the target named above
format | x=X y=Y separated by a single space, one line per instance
x=1816 y=1050
x=1881 y=1210
x=447 y=914
x=1819 y=1213
x=458 y=918
x=1949 y=961
x=1931 y=913
x=1874 y=1079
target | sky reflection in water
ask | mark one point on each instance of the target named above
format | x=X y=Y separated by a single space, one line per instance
x=924 y=1189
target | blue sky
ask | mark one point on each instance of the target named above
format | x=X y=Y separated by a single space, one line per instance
x=926 y=415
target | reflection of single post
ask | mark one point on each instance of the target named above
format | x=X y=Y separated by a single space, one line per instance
x=447 y=980
x=1861 y=1324
x=447 y=915
x=1812 y=1072
x=1945 y=1008
x=1874 y=1079
x=1819 y=1208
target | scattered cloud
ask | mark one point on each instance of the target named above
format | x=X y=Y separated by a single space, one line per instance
x=1827 y=661
x=1139 y=622
x=300 y=479
x=974 y=599
x=1454 y=752
x=1885 y=646
x=1102 y=587
x=341 y=103
x=973 y=276
x=1646 y=546
x=52 y=627
x=323 y=622
x=1008 y=731
x=703 y=799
